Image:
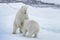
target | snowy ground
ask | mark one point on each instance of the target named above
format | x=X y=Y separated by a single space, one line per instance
x=52 y=1
x=48 y=18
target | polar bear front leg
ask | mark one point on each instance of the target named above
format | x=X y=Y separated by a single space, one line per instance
x=20 y=30
x=35 y=35
x=29 y=35
x=14 y=28
x=24 y=32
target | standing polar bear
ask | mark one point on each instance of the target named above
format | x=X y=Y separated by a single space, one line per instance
x=19 y=19
x=31 y=27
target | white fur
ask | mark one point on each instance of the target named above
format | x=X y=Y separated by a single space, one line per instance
x=19 y=19
x=32 y=27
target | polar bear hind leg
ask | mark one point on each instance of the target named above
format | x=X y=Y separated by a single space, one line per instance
x=14 y=28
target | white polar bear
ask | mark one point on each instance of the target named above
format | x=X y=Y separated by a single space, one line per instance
x=19 y=19
x=31 y=27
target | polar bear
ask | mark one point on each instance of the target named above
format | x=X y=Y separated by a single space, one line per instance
x=19 y=19
x=31 y=27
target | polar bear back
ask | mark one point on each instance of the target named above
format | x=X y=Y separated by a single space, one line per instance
x=31 y=25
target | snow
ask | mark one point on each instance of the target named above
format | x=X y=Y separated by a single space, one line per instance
x=48 y=19
x=52 y=1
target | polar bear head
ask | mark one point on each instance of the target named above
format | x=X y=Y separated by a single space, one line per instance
x=23 y=9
